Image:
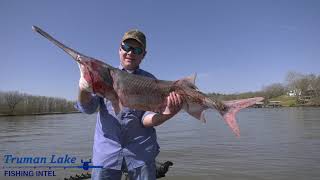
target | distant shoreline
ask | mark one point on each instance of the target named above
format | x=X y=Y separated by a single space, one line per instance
x=266 y=107
x=288 y=106
x=73 y=112
x=39 y=114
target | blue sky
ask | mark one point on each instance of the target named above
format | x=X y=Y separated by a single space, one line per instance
x=233 y=45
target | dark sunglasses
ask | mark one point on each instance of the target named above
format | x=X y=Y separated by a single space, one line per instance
x=135 y=50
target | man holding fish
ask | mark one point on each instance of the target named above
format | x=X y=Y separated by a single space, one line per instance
x=127 y=98
x=126 y=140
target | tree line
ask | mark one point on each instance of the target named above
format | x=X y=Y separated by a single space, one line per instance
x=15 y=103
x=304 y=87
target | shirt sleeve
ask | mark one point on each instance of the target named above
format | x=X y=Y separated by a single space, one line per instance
x=89 y=107
x=145 y=114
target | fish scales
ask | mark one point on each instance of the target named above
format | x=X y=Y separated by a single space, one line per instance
x=139 y=91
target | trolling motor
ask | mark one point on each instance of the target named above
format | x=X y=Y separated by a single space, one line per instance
x=161 y=170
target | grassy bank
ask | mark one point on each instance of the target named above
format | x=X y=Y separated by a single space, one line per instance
x=286 y=101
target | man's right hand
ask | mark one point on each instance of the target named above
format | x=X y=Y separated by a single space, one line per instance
x=85 y=82
x=85 y=85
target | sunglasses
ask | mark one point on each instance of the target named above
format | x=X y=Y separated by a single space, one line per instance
x=135 y=50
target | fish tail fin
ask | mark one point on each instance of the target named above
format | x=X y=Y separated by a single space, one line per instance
x=235 y=106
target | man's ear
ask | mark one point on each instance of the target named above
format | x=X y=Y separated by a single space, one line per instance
x=119 y=50
x=144 y=53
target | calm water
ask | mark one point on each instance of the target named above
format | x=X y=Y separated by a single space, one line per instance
x=274 y=144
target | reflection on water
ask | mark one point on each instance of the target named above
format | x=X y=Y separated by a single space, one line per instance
x=274 y=144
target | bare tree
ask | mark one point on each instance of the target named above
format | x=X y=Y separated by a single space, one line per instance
x=1 y=98
x=12 y=99
x=274 y=90
x=317 y=86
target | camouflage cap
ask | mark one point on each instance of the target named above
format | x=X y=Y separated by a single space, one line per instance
x=136 y=35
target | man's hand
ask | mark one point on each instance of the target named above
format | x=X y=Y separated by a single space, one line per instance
x=174 y=104
x=85 y=82
x=85 y=85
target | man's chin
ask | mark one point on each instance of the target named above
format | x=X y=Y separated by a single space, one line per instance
x=129 y=67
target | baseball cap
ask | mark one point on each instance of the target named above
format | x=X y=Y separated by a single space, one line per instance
x=136 y=35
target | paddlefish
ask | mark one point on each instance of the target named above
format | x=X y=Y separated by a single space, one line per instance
x=124 y=89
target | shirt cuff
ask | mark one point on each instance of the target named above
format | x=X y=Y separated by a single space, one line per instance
x=89 y=107
x=145 y=114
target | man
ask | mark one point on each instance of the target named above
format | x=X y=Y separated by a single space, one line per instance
x=125 y=141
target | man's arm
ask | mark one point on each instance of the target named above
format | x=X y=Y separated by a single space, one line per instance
x=84 y=97
x=174 y=105
x=87 y=103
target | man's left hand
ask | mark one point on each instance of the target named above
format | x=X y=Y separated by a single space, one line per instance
x=174 y=104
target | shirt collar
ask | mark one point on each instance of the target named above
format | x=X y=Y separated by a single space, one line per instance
x=136 y=71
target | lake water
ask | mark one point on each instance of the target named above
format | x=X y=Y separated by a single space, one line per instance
x=276 y=144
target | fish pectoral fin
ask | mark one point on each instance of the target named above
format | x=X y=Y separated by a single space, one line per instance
x=196 y=110
x=199 y=115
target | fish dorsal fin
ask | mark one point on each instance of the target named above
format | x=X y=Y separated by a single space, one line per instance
x=191 y=79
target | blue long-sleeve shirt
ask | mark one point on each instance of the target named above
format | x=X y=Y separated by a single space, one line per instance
x=121 y=136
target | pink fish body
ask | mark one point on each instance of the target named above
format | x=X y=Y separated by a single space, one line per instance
x=144 y=93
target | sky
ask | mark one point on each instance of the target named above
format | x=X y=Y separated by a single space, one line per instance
x=234 y=46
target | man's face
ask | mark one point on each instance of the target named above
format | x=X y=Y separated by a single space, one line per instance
x=130 y=60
